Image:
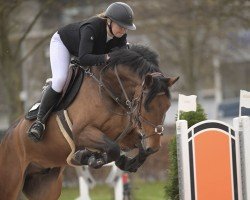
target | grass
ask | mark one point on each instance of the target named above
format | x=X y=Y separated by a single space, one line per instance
x=148 y=191
x=100 y=192
x=141 y=191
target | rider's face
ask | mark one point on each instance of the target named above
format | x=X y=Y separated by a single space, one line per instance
x=117 y=30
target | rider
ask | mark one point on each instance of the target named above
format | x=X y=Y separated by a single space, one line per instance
x=90 y=40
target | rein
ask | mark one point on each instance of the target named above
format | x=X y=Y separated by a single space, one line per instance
x=102 y=85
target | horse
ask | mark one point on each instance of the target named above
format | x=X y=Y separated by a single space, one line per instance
x=129 y=93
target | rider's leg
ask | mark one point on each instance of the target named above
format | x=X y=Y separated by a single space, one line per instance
x=59 y=59
x=49 y=100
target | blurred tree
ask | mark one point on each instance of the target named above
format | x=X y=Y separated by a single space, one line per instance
x=12 y=38
x=189 y=33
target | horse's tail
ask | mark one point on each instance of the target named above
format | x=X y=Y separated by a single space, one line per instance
x=40 y=183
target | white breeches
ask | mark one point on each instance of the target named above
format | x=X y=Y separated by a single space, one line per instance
x=59 y=60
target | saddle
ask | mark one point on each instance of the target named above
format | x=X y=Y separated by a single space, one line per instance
x=70 y=90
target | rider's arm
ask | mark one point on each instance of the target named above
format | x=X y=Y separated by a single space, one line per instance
x=117 y=43
x=86 y=57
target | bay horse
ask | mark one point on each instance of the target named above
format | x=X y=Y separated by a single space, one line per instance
x=129 y=93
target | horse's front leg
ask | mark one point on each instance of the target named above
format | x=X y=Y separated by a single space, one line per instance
x=132 y=164
x=93 y=139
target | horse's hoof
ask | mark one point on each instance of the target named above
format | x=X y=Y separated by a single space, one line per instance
x=95 y=163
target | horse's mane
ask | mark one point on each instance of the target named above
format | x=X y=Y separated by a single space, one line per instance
x=141 y=60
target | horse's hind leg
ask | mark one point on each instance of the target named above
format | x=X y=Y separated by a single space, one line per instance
x=43 y=184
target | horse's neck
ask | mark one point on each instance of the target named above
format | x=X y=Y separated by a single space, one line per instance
x=128 y=82
x=89 y=96
x=95 y=106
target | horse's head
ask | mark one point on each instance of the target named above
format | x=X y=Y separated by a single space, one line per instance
x=152 y=98
x=155 y=101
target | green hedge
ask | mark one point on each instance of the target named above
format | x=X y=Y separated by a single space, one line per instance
x=172 y=186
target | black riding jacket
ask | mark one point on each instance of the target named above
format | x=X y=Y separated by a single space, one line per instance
x=87 y=40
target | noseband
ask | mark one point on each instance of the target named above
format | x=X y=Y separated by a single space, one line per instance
x=158 y=129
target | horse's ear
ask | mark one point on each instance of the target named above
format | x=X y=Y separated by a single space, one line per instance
x=148 y=81
x=172 y=81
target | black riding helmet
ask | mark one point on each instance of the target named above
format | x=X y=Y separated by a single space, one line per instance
x=122 y=14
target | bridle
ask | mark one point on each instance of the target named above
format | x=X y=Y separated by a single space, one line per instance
x=132 y=107
x=158 y=128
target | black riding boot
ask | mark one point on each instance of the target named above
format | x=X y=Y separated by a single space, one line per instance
x=49 y=99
